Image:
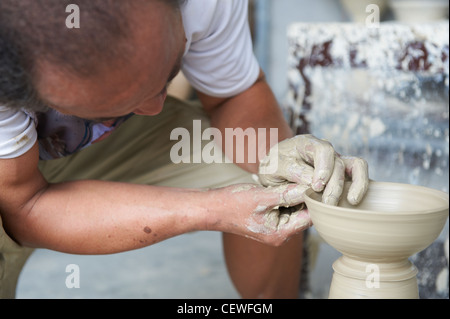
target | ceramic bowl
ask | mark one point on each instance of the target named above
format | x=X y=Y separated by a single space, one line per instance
x=392 y=222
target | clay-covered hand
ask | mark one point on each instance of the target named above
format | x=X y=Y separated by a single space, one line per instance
x=270 y=215
x=307 y=160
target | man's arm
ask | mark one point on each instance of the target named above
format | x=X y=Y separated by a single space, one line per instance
x=253 y=108
x=91 y=216
x=98 y=217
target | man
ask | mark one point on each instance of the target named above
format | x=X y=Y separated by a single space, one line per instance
x=98 y=190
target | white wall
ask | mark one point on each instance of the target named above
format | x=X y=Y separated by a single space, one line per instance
x=281 y=13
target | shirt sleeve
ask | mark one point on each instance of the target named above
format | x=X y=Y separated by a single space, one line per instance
x=17 y=132
x=220 y=59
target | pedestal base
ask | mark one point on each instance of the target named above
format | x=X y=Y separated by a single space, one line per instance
x=356 y=279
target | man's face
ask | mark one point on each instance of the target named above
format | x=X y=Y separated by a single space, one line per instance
x=137 y=85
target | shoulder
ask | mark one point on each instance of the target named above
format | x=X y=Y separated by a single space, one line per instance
x=205 y=18
x=219 y=59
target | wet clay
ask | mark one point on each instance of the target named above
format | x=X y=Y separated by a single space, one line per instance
x=377 y=236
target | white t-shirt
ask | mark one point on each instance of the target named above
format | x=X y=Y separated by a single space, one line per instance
x=218 y=61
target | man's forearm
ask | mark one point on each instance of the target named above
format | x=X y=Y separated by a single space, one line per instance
x=255 y=108
x=96 y=217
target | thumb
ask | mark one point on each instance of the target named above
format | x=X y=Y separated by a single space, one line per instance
x=290 y=194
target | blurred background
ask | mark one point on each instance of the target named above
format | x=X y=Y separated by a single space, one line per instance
x=375 y=86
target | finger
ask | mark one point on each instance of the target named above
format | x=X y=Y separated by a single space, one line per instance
x=286 y=195
x=271 y=179
x=269 y=168
x=295 y=171
x=320 y=154
x=292 y=194
x=335 y=186
x=323 y=168
x=272 y=220
x=284 y=218
x=292 y=170
x=298 y=221
x=299 y=172
x=358 y=170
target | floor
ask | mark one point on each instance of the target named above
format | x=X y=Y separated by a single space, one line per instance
x=187 y=266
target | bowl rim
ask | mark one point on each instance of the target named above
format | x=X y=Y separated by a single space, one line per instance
x=444 y=196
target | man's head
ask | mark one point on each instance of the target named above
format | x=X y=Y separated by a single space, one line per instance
x=118 y=61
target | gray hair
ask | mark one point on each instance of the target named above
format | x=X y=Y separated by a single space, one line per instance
x=32 y=30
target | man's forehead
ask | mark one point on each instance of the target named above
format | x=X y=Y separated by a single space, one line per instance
x=145 y=65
